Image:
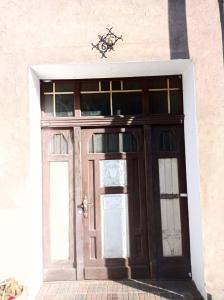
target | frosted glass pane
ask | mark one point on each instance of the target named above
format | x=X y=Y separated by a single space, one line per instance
x=168 y=176
x=115 y=229
x=170 y=207
x=113 y=172
x=58 y=144
x=59 y=210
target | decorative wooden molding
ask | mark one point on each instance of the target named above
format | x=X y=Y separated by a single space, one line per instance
x=112 y=121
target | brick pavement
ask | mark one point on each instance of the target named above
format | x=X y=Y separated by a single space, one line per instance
x=118 y=290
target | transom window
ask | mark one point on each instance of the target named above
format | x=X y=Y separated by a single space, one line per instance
x=112 y=142
x=115 y=97
x=58 y=99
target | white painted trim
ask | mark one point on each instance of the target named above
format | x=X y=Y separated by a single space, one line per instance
x=153 y=68
x=35 y=186
x=193 y=183
x=110 y=70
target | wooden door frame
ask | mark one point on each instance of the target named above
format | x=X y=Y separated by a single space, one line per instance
x=134 y=266
x=55 y=270
x=77 y=127
x=183 y=267
x=150 y=202
x=78 y=218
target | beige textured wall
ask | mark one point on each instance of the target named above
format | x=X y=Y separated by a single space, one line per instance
x=57 y=31
x=206 y=52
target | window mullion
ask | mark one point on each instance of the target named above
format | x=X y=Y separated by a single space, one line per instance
x=111 y=99
x=54 y=109
x=168 y=95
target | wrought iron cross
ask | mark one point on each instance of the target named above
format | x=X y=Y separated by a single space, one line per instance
x=106 y=42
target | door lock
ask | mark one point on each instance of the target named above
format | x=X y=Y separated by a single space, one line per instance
x=84 y=206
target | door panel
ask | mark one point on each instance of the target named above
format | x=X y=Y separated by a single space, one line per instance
x=169 y=184
x=58 y=213
x=115 y=233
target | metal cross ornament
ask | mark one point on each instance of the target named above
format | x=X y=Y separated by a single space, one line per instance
x=106 y=42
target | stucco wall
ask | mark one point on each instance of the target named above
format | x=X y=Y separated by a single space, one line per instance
x=56 y=31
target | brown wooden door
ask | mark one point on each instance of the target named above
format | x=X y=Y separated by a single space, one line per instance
x=170 y=202
x=114 y=208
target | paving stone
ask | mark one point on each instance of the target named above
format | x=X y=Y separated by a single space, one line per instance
x=119 y=290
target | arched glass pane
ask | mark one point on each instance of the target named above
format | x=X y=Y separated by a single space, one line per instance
x=58 y=144
x=112 y=143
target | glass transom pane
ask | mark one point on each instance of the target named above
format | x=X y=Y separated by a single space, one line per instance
x=176 y=102
x=95 y=104
x=89 y=85
x=113 y=172
x=47 y=87
x=127 y=103
x=158 y=102
x=64 y=87
x=48 y=106
x=64 y=105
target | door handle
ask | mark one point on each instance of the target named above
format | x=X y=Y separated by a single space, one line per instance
x=84 y=206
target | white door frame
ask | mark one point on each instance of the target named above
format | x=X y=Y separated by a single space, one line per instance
x=129 y=69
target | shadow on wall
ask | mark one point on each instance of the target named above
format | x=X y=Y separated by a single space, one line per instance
x=178 y=29
x=221 y=14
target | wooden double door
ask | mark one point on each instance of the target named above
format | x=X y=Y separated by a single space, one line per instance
x=134 y=203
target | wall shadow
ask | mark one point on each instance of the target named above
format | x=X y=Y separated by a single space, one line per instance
x=178 y=36
x=221 y=15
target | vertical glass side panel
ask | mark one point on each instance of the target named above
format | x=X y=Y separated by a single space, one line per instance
x=113 y=172
x=170 y=207
x=59 y=210
x=115 y=227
